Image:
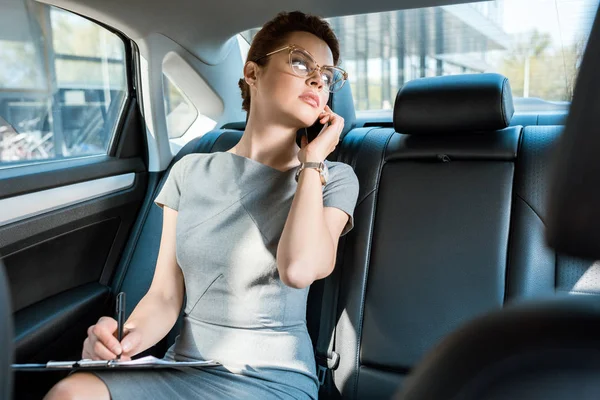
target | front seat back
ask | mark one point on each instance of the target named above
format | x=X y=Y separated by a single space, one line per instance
x=574 y=214
x=540 y=350
x=6 y=337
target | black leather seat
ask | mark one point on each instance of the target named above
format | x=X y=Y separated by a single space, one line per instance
x=429 y=249
x=535 y=269
x=548 y=350
x=553 y=346
x=449 y=226
x=6 y=337
x=541 y=350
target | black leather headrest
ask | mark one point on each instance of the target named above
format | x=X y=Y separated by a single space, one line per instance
x=454 y=104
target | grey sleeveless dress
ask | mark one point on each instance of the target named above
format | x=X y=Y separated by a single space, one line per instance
x=231 y=213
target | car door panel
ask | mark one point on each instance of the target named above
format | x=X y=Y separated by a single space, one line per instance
x=63 y=251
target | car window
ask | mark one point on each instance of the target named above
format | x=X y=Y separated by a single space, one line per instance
x=537 y=44
x=63 y=84
x=179 y=110
x=192 y=107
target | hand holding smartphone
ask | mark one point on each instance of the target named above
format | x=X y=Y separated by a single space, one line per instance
x=311 y=132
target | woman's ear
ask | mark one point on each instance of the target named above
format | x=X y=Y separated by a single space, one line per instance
x=250 y=73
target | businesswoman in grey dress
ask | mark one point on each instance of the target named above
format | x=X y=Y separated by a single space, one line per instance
x=245 y=233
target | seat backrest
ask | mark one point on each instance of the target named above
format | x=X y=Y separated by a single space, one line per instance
x=535 y=269
x=430 y=244
x=449 y=225
x=557 y=334
x=6 y=337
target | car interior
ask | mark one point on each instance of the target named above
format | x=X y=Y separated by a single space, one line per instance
x=459 y=176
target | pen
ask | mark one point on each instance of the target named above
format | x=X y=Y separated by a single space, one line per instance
x=120 y=318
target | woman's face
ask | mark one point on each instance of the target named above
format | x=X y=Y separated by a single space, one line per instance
x=286 y=98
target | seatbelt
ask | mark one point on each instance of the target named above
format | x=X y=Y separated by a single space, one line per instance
x=326 y=358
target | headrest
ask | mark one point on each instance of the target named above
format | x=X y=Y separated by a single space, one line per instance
x=454 y=104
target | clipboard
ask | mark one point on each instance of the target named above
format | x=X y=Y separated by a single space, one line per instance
x=148 y=362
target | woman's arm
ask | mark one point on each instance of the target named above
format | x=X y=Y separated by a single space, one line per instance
x=154 y=315
x=157 y=312
x=308 y=245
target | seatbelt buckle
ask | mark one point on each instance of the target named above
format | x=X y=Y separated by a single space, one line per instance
x=325 y=364
x=321 y=374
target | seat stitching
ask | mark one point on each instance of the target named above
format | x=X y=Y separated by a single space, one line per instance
x=367 y=266
x=367 y=195
x=517 y=195
x=513 y=193
x=353 y=161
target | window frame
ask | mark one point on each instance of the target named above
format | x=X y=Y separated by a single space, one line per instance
x=130 y=93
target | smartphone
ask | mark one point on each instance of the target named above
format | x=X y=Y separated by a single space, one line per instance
x=311 y=132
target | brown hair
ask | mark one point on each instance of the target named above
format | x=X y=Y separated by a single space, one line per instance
x=274 y=33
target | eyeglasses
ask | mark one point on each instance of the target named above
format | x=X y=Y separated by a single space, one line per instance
x=303 y=65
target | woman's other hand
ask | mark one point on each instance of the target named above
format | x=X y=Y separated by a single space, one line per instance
x=102 y=344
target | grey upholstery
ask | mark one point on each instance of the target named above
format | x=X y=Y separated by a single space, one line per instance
x=6 y=337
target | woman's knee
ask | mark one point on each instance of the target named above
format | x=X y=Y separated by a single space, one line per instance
x=81 y=385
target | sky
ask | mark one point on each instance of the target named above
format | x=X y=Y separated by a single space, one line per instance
x=574 y=17
x=565 y=20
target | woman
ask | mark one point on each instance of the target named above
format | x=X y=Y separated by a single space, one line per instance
x=245 y=233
